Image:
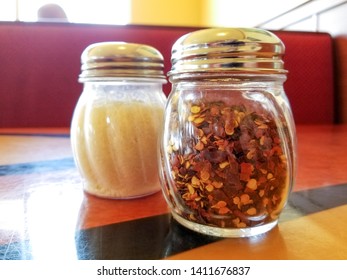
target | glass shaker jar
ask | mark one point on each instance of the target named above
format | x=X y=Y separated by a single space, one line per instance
x=117 y=120
x=228 y=151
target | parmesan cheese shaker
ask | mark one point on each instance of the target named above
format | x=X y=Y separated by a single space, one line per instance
x=118 y=118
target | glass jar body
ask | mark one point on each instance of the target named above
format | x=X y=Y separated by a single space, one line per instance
x=114 y=137
x=228 y=153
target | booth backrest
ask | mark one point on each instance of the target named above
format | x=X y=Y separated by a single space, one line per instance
x=340 y=51
x=40 y=64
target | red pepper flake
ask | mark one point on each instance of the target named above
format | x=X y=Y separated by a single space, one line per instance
x=246 y=171
x=233 y=166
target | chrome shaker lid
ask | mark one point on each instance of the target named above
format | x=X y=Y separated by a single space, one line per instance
x=120 y=59
x=228 y=50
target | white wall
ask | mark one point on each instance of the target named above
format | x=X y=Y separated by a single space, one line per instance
x=318 y=15
x=334 y=21
x=246 y=13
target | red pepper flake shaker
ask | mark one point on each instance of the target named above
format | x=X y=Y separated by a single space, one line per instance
x=228 y=152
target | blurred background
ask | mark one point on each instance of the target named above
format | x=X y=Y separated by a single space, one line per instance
x=303 y=15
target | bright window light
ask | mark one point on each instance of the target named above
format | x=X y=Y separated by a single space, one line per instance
x=8 y=10
x=77 y=11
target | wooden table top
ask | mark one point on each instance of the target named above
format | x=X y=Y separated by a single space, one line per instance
x=44 y=212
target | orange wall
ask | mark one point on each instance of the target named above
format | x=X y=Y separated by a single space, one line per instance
x=168 y=12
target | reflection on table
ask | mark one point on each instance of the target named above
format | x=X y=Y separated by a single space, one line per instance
x=44 y=212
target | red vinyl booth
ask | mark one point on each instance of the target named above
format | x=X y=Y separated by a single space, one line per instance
x=40 y=64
